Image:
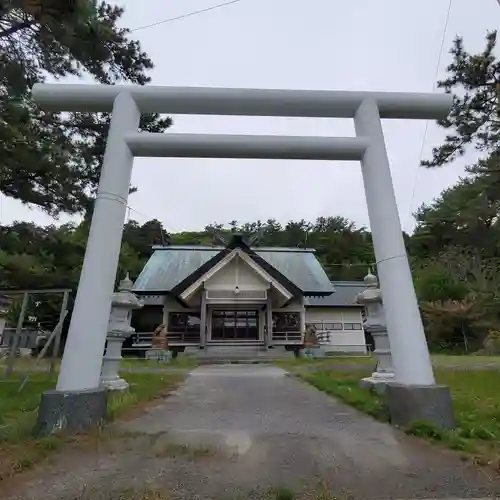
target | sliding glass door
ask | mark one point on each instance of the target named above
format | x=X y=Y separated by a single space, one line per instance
x=235 y=325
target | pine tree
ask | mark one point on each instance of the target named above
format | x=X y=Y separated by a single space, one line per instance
x=474 y=81
x=49 y=159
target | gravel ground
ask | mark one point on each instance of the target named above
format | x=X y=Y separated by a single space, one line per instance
x=247 y=429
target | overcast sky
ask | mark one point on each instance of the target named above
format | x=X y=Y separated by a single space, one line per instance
x=390 y=45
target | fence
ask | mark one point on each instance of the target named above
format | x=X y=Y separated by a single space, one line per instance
x=34 y=313
x=292 y=337
x=138 y=345
x=28 y=338
x=327 y=340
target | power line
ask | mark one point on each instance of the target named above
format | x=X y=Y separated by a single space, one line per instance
x=147 y=217
x=424 y=138
x=162 y=236
x=184 y=16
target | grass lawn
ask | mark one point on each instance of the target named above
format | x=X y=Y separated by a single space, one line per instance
x=438 y=361
x=301 y=364
x=470 y=361
x=19 y=449
x=476 y=398
x=21 y=365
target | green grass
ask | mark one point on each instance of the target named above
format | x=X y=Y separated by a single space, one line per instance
x=476 y=399
x=20 y=449
x=345 y=386
x=22 y=365
x=470 y=361
x=438 y=360
x=304 y=363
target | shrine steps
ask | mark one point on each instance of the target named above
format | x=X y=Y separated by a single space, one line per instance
x=237 y=353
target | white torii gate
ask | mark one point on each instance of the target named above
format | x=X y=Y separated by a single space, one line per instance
x=81 y=364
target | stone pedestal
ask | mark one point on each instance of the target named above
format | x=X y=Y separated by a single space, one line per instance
x=71 y=411
x=159 y=355
x=124 y=301
x=424 y=403
x=375 y=324
x=110 y=378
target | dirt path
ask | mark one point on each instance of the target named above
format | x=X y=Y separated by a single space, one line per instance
x=246 y=429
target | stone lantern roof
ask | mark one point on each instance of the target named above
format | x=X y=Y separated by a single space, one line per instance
x=124 y=297
x=371 y=281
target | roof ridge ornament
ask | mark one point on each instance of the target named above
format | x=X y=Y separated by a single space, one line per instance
x=218 y=235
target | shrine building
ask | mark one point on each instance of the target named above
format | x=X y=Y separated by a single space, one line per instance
x=243 y=295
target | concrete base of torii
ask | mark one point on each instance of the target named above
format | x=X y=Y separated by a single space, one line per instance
x=420 y=403
x=413 y=403
x=71 y=411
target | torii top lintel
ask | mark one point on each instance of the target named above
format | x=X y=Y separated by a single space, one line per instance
x=247 y=102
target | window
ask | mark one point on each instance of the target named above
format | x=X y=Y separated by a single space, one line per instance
x=319 y=326
x=353 y=326
x=332 y=326
x=322 y=326
x=184 y=322
x=286 y=322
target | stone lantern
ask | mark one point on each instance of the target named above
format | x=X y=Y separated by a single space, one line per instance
x=119 y=329
x=375 y=324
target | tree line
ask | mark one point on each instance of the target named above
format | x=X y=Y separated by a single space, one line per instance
x=456 y=286
x=53 y=160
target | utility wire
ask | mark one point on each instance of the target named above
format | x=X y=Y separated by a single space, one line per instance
x=184 y=16
x=129 y=209
x=424 y=138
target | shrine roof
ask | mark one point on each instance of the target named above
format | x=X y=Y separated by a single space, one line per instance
x=344 y=295
x=171 y=265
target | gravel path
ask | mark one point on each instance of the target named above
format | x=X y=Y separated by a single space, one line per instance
x=247 y=429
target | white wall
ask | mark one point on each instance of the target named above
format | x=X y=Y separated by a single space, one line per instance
x=236 y=273
x=340 y=340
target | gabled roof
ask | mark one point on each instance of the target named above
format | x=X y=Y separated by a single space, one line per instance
x=172 y=268
x=287 y=287
x=169 y=266
x=344 y=295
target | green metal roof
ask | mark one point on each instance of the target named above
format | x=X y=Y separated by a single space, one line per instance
x=301 y=267
x=169 y=266
x=344 y=296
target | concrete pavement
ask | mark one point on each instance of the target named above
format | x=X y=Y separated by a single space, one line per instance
x=245 y=429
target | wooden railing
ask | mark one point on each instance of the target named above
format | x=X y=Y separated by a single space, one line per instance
x=145 y=339
x=324 y=337
x=292 y=337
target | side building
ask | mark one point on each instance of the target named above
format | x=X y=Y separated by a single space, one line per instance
x=241 y=295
